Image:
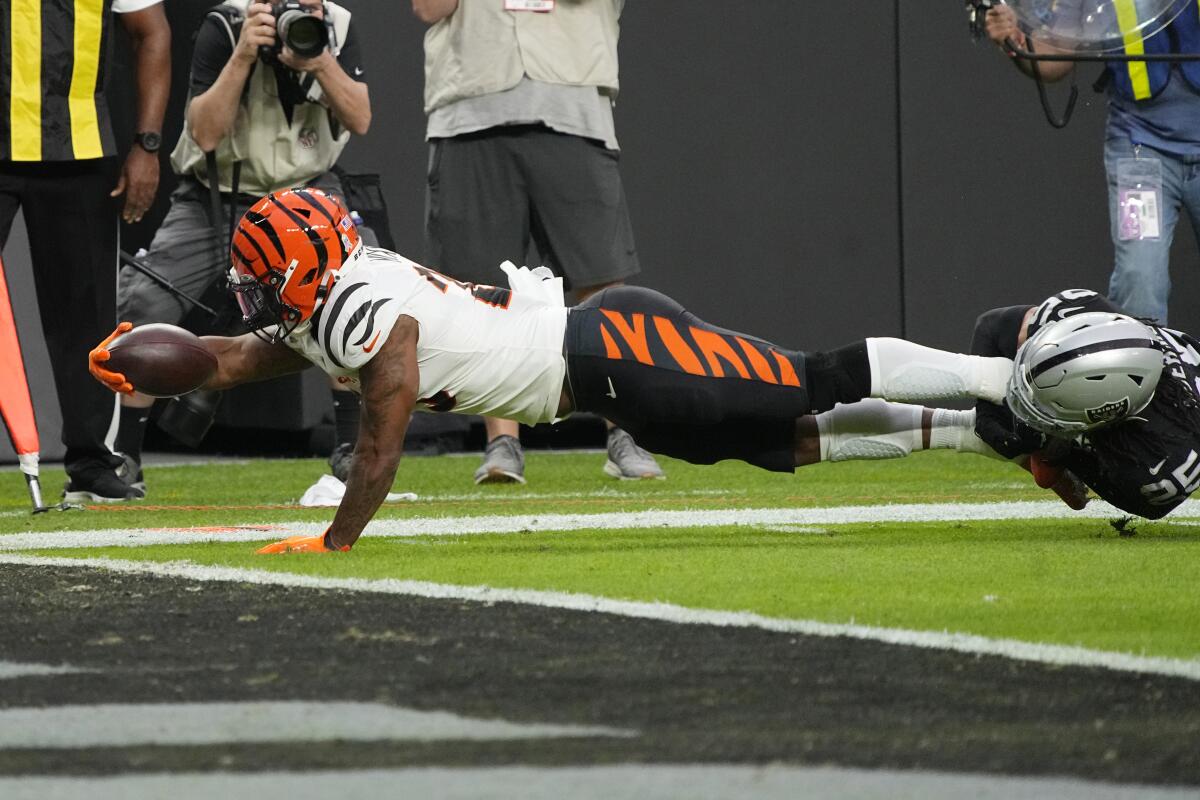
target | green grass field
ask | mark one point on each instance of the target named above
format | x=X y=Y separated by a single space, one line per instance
x=1072 y=580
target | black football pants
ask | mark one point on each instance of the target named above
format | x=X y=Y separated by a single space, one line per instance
x=73 y=239
x=688 y=389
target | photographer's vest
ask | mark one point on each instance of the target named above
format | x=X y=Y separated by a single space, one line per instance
x=1141 y=80
x=481 y=48
x=274 y=153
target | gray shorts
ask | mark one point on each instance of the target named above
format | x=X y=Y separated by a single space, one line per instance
x=492 y=193
x=185 y=250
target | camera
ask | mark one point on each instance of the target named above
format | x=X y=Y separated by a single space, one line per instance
x=298 y=28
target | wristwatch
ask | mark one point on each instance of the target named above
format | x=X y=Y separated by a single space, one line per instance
x=149 y=141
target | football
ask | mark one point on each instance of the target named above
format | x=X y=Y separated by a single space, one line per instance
x=161 y=360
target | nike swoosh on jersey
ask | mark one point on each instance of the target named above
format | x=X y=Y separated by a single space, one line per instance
x=369 y=347
x=611 y=391
x=1154 y=470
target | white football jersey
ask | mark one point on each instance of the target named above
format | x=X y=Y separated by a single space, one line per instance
x=481 y=349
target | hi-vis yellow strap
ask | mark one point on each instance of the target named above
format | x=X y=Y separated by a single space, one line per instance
x=85 y=126
x=1139 y=77
x=25 y=90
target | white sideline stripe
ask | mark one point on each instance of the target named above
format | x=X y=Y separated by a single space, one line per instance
x=183 y=724
x=609 y=782
x=518 y=495
x=1066 y=655
x=529 y=523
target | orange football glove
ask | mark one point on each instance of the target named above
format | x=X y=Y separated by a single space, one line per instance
x=99 y=354
x=300 y=544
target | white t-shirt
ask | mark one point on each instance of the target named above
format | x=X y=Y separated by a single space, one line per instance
x=130 y=6
x=480 y=350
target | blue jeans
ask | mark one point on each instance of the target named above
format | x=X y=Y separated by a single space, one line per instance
x=1141 y=278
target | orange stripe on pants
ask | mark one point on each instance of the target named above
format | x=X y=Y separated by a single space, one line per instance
x=610 y=347
x=713 y=345
x=786 y=371
x=761 y=368
x=634 y=336
x=677 y=347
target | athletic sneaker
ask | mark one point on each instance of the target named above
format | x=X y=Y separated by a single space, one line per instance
x=627 y=461
x=130 y=471
x=95 y=481
x=340 y=460
x=503 y=462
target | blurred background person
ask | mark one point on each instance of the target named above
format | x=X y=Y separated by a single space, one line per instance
x=58 y=165
x=523 y=150
x=1151 y=152
x=283 y=119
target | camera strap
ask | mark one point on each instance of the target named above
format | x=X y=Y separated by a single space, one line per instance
x=214 y=199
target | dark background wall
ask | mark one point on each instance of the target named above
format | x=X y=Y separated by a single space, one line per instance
x=809 y=172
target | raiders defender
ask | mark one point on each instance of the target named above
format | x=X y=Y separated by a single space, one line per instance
x=406 y=336
x=1096 y=398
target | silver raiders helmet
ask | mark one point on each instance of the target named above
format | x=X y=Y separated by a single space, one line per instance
x=1084 y=372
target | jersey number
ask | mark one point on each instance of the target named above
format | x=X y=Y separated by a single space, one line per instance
x=495 y=296
x=1185 y=477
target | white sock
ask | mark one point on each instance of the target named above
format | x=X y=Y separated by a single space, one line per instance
x=876 y=429
x=904 y=371
x=955 y=430
x=869 y=429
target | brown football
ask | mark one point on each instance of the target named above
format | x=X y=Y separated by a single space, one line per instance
x=161 y=360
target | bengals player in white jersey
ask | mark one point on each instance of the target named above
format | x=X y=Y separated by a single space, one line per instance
x=407 y=338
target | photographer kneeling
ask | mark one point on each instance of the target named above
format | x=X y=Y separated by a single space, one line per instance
x=275 y=92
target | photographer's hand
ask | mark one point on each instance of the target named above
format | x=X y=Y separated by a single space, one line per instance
x=347 y=98
x=1001 y=24
x=257 y=31
x=211 y=114
x=315 y=65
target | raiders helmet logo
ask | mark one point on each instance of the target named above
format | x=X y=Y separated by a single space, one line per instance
x=1109 y=411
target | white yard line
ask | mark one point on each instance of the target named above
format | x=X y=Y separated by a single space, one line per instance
x=529 y=523
x=665 y=612
x=613 y=782
x=191 y=724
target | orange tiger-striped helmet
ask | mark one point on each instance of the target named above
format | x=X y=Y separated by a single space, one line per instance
x=286 y=253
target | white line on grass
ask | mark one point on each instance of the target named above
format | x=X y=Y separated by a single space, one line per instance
x=607 y=782
x=665 y=612
x=180 y=724
x=530 y=523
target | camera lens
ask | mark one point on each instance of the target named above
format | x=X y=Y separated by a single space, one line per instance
x=303 y=33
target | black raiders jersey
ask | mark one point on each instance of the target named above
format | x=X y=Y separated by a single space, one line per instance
x=1150 y=463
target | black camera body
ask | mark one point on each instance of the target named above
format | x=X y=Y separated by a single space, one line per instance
x=297 y=27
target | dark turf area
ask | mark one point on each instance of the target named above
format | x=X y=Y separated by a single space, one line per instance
x=698 y=694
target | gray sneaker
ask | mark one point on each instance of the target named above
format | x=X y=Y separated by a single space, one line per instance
x=503 y=462
x=340 y=460
x=627 y=461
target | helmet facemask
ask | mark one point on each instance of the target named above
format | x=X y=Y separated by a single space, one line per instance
x=263 y=312
x=286 y=255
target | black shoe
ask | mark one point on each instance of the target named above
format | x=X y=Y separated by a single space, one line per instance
x=95 y=481
x=340 y=460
